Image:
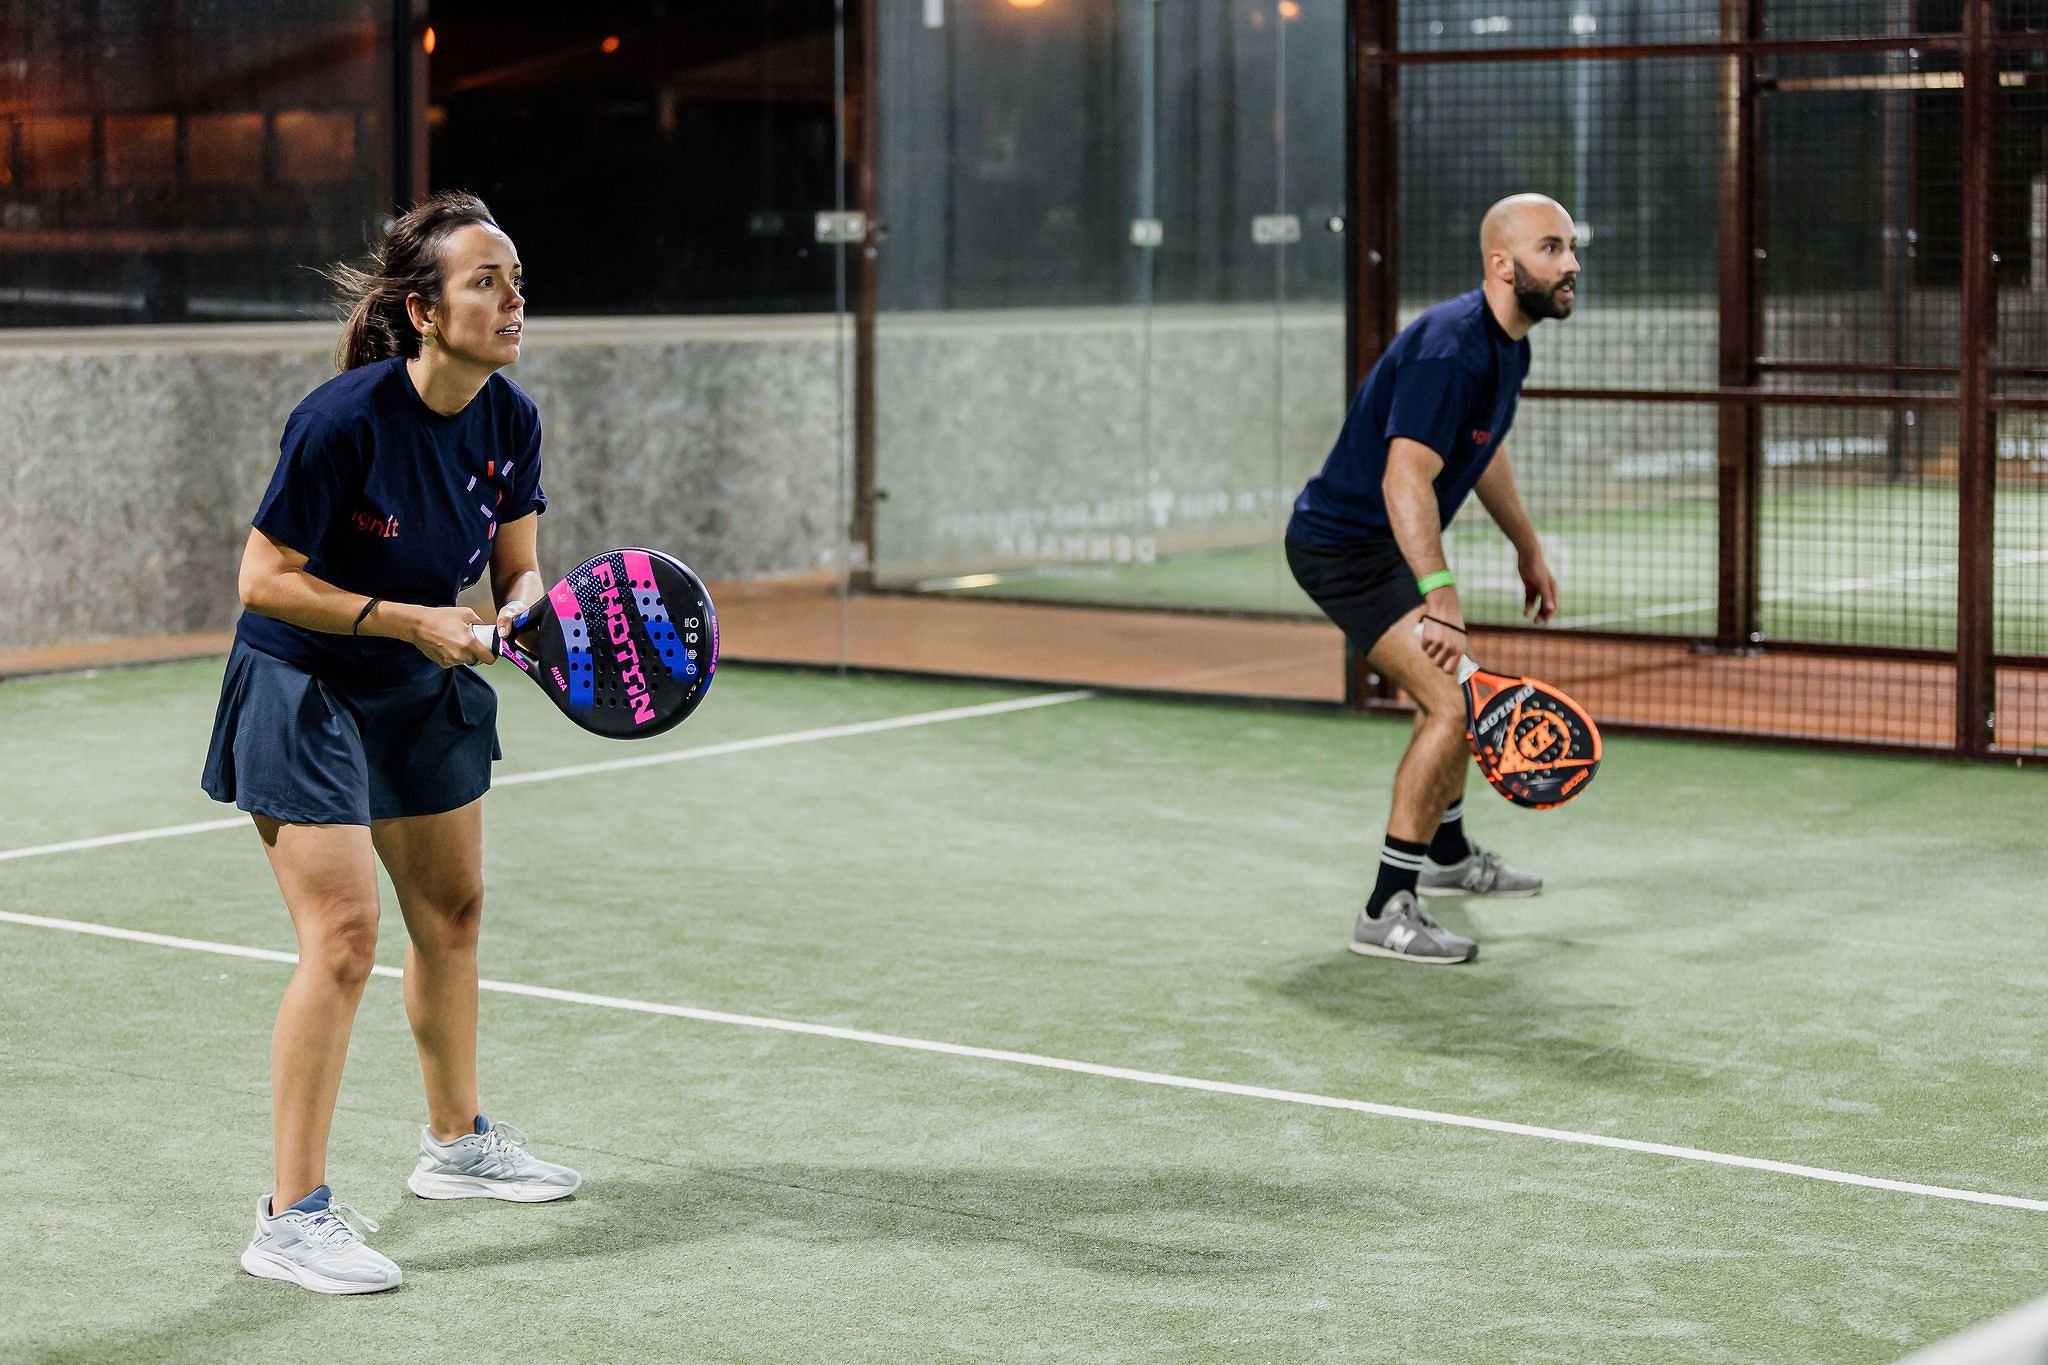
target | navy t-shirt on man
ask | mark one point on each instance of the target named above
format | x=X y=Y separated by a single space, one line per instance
x=388 y=498
x=1451 y=380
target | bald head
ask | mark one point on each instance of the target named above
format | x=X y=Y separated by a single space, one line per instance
x=1528 y=244
x=1518 y=222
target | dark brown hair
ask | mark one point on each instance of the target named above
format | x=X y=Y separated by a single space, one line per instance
x=406 y=260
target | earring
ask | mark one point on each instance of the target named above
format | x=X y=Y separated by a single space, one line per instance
x=427 y=337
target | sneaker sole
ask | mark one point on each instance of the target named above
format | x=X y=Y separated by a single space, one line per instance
x=265 y=1265
x=476 y=1187
x=1374 y=950
x=1421 y=890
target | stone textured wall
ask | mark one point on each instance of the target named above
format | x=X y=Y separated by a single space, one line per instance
x=1095 y=435
x=132 y=459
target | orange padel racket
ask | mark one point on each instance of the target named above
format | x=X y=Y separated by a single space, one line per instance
x=1535 y=745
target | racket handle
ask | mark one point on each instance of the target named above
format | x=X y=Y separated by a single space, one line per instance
x=1467 y=665
x=487 y=636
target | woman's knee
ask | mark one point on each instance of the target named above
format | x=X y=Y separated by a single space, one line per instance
x=451 y=922
x=343 y=946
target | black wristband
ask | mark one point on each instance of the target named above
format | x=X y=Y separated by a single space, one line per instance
x=364 y=615
x=1445 y=624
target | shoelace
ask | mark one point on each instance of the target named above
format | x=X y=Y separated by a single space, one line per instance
x=331 y=1224
x=1488 y=870
x=507 y=1145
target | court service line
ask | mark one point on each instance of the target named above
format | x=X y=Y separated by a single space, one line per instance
x=736 y=746
x=1119 y=1073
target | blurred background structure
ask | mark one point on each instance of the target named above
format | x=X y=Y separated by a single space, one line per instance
x=994 y=337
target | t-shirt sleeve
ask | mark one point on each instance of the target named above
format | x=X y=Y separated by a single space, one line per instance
x=319 y=479
x=1431 y=399
x=526 y=495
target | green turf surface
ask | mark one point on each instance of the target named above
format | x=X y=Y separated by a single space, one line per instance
x=1834 y=960
x=1870 y=564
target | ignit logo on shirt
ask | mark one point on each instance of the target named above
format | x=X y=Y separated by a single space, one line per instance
x=369 y=522
x=1480 y=438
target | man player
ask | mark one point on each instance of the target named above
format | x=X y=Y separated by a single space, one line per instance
x=1366 y=542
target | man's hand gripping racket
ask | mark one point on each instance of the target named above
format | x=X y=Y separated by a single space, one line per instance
x=624 y=646
x=1534 y=745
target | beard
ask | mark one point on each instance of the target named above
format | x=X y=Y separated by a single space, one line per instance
x=1537 y=302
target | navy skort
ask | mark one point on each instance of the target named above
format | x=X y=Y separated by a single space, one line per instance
x=307 y=751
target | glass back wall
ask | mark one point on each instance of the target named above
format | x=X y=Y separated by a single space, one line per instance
x=175 y=160
x=1110 y=341
x=676 y=152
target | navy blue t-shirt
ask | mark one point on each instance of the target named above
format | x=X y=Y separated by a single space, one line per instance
x=386 y=497
x=1451 y=380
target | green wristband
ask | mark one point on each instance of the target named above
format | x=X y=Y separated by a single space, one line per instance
x=1442 y=578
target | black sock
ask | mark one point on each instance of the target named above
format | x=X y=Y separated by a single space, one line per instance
x=1400 y=866
x=1450 y=845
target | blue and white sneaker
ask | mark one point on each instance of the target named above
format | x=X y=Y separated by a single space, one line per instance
x=491 y=1163
x=313 y=1245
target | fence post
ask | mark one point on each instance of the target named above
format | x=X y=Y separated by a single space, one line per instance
x=1375 y=159
x=1739 y=421
x=1977 y=441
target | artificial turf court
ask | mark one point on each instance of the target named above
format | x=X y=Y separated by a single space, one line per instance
x=1834 y=961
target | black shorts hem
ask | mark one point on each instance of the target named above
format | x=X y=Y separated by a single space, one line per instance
x=1366 y=587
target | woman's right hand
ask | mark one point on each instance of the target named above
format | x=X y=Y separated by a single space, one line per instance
x=444 y=635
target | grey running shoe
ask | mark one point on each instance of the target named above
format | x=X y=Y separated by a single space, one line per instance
x=1404 y=930
x=320 y=1250
x=1478 y=873
x=491 y=1163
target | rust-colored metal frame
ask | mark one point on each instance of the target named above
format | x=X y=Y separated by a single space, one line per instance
x=858 y=101
x=408 y=56
x=1739 y=396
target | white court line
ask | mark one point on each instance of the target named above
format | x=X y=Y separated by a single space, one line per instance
x=737 y=746
x=1118 y=1073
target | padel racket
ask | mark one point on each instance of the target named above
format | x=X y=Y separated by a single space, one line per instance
x=625 y=645
x=1535 y=746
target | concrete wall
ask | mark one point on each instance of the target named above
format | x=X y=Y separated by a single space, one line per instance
x=132 y=459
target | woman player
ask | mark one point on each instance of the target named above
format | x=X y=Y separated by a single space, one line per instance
x=349 y=728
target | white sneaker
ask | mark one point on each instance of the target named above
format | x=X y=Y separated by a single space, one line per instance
x=492 y=1163
x=320 y=1250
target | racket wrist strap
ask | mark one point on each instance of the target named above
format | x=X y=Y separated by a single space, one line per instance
x=1442 y=578
x=1445 y=624
x=364 y=615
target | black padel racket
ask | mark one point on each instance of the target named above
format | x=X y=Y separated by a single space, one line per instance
x=1535 y=746
x=625 y=645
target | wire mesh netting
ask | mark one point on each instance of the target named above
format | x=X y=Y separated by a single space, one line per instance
x=1756 y=440
x=1785 y=456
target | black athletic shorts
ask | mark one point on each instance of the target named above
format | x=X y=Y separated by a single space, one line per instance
x=1365 y=586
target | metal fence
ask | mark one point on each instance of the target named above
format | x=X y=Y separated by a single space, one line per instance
x=1791 y=457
